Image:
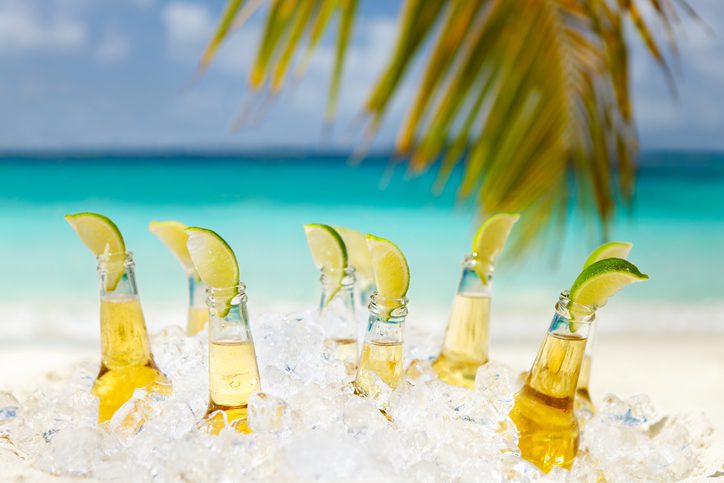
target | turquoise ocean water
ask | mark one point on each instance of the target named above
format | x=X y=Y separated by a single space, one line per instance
x=259 y=204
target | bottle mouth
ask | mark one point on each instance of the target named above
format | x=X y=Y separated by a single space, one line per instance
x=348 y=279
x=227 y=295
x=573 y=310
x=473 y=259
x=391 y=308
x=115 y=257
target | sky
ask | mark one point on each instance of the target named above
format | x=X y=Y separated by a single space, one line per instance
x=120 y=74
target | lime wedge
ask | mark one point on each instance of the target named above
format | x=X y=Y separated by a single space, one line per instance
x=612 y=249
x=101 y=236
x=490 y=240
x=173 y=235
x=214 y=261
x=329 y=253
x=602 y=279
x=392 y=274
x=359 y=254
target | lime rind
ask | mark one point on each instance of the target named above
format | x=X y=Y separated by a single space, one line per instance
x=357 y=251
x=173 y=234
x=490 y=240
x=101 y=236
x=612 y=249
x=214 y=261
x=392 y=272
x=602 y=279
x=97 y=244
x=329 y=254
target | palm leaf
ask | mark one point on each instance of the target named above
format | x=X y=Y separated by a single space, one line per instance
x=531 y=97
x=301 y=19
x=524 y=99
x=348 y=10
x=285 y=27
x=325 y=10
x=232 y=9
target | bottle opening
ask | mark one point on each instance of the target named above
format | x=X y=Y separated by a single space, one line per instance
x=391 y=308
x=348 y=279
x=476 y=258
x=107 y=258
x=474 y=261
x=571 y=310
x=233 y=295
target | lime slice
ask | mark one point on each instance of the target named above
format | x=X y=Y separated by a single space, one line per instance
x=359 y=254
x=490 y=240
x=392 y=274
x=173 y=235
x=214 y=261
x=329 y=253
x=101 y=236
x=612 y=249
x=602 y=279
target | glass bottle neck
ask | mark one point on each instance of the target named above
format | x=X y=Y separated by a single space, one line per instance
x=571 y=317
x=228 y=315
x=124 y=338
x=117 y=274
x=197 y=292
x=476 y=278
x=331 y=290
x=557 y=365
x=591 y=337
x=337 y=308
x=233 y=370
x=387 y=319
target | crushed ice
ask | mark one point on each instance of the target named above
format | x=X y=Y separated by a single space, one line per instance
x=308 y=424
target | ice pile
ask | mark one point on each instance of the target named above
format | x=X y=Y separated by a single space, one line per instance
x=308 y=425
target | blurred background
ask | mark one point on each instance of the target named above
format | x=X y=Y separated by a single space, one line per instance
x=101 y=110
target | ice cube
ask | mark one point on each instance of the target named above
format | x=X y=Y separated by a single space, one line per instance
x=268 y=414
x=332 y=456
x=369 y=384
x=120 y=470
x=408 y=404
x=309 y=425
x=361 y=417
x=420 y=370
x=496 y=383
x=72 y=452
x=8 y=407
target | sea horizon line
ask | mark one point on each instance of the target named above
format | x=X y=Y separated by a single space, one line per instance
x=649 y=158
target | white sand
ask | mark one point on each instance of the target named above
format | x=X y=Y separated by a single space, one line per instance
x=683 y=374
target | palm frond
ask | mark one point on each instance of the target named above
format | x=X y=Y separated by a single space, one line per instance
x=524 y=93
x=531 y=96
x=233 y=7
x=287 y=23
x=348 y=9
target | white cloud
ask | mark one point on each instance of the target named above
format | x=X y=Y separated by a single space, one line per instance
x=189 y=25
x=114 y=46
x=694 y=120
x=188 y=28
x=22 y=28
x=186 y=25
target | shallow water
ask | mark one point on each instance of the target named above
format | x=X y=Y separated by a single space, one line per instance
x=259 y=206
